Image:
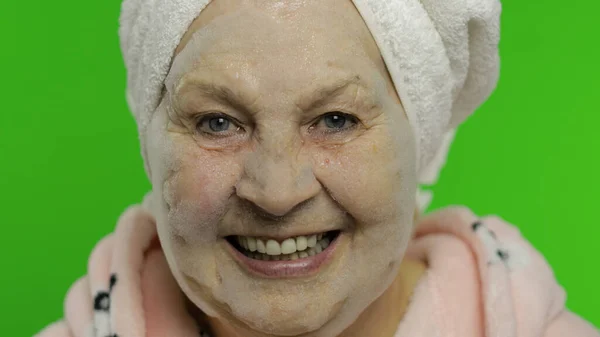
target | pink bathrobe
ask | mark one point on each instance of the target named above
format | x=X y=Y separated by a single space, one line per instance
x=483 y=279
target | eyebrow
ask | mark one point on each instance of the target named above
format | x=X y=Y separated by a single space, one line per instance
x=223 y=94
x=317 y=97
x=321 y=95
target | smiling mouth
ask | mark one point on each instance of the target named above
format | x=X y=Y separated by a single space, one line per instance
x=293 y=248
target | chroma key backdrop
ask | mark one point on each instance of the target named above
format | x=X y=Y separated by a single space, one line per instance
x=70 y=163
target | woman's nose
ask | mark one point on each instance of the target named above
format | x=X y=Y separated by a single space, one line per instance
x=277 y=184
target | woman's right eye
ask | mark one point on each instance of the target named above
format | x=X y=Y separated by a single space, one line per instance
x=219 y=125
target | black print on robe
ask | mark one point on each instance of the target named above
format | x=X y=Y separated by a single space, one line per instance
x=491 y=243
x=102 y=302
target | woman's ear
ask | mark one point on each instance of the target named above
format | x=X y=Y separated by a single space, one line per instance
x=144 y=151
x=148 y=202
x=151 y=130
x=416 y=218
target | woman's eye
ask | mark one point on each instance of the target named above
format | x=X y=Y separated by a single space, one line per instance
x=217 y=125
x=336 y=121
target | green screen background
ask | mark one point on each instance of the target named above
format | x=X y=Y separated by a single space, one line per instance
x=69 y=161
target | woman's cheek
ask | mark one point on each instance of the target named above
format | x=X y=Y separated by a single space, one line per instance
x=366 y=178
x=197 y=191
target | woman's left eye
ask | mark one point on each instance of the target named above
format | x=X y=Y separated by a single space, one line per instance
x=336 y=121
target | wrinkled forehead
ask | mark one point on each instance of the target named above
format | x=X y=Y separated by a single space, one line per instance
x=287 y=42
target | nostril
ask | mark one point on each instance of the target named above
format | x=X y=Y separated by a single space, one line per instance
x=278 y=190
x=276 y=216
x=270 y=212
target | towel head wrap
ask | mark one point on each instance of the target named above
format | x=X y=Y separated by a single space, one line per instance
x=442 y=56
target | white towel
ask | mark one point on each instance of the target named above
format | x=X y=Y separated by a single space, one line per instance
x=442 y=56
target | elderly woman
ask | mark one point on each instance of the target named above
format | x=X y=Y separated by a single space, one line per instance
x=285 y=142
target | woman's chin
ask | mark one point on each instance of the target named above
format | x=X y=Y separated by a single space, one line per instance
x=289 y=309
x=307 y=301
x=291 y=322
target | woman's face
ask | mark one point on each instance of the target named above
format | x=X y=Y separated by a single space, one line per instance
x=279 y=120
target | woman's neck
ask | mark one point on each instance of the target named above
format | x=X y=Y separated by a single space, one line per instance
x=381 y=318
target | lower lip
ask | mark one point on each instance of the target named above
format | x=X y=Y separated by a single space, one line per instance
x=303 y=267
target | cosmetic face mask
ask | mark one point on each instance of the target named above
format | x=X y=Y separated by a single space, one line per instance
x=284 y=163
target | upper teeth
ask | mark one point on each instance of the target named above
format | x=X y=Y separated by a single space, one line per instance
x=288 y=246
